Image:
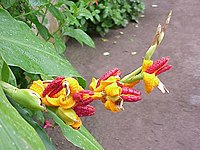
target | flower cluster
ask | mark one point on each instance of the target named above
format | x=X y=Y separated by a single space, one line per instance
x=150 y=72
x=113 y=92
x=71 y=101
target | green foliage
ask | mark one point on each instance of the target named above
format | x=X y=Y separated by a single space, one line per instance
x=111 y=13
x=81 y=138
x=36 y=14
x=40 y=131
x=30 y=58
x=15 y=131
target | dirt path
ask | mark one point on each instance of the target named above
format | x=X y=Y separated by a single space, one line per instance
x=158 y=122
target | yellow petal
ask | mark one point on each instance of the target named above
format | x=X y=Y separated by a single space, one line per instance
x=113 y=89
x=146 y=64
x=62 y=92
x=37 y=86
x=104 y=83
x=97 y=95
x=76 y=125
x=93 y=84
x=67 y=102
x=112 y=98
x=73 y=85
x=111 y=106
x=45 y=102
x=150 y=81
x=55 y=101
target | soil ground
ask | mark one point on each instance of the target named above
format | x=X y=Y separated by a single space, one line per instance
x=158 y=122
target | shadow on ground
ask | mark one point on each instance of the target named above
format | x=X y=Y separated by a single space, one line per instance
x=158 y=122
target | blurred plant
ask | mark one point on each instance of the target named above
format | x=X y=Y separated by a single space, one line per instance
x=109 y=14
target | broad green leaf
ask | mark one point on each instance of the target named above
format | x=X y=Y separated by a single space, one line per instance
x=80 y=36
x=38 y=2
x=39 y=116
x=41 y=132
x=56 y=13
x=43 y=31
x=15 y=132
x=7 y=3
x=20 y=47
x=59 y=44
x=12 y=79
x=81 y=138
x=5 y=72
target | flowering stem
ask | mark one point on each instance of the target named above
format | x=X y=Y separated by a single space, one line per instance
x=135 y=78
x=130 y=76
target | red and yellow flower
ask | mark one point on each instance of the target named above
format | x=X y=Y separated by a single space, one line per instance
x=111 y=91
x=62 y=93
x=150 y=72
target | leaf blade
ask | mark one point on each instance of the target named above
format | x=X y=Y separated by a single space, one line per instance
x=81 y=138
x=16 y=131
x=20 y=47
x=80 y=36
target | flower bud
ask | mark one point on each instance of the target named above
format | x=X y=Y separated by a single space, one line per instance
x=25 y=97
x=69 y=116
x=87 y=110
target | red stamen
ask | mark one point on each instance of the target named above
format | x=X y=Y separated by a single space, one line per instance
x=165 y=68
x=84 y=102
x=79 y=96
x=131 y=98
x=84 y=110
x=114 y=72
x=127 y=90
x=47 y=124
x=157 y=64
x=52 y=86
x=56 y=90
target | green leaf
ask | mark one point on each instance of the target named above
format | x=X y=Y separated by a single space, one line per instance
x=39 y=116
x=80 y=36
x=5 y=72
x=41 y=132
x=15 y=132
x=81 y=138
x=71 y=19
x=7 y=3
x=56 y=13
x=12 y=79
x=84 y=12
x=20 y=47
x=59 y=44
x=38 y=2
x=43 y=31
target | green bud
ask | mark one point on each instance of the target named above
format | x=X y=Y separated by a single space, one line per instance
x=150 y=51
x=67 y=115
x=25 y=97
